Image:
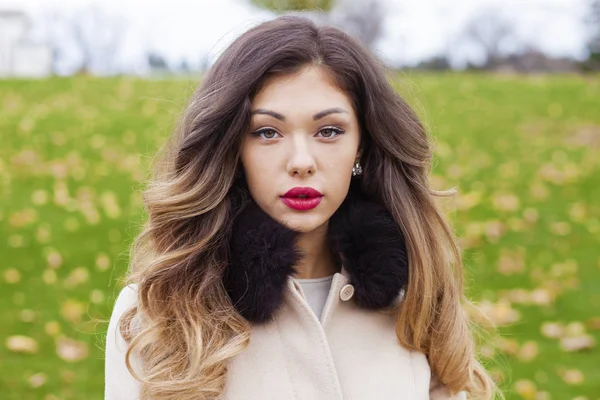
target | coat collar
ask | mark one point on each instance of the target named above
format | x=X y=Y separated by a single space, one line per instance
x=367 y=243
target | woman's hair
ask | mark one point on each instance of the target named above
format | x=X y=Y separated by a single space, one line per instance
x=186 y=330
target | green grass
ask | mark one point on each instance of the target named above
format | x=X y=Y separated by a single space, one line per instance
x=524 y=153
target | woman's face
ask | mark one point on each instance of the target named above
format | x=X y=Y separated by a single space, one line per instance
x=303 y=134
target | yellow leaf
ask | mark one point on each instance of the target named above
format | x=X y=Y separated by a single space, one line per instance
x=43 y=233
x=571 y=376
x=54 y=259
x=525 y=388
x=553 y=330
x=577 y=343
x=12 y=276
x=530 y=215
x=102 y=262
x=39 y=197
x=49 y=276
x=512 y=261
x=96 y=296
x=22 y=344
x=52 y=328
x=27 y=315
x=71 y=350
x=506 y=202
x=528 y=351
x=72 y=310
x=78 y=276
x=37 y=380
x=23 y=218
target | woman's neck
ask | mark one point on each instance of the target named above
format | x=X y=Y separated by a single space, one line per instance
x=318 y=260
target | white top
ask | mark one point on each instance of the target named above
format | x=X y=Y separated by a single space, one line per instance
x=119 y=383
x=316 y=291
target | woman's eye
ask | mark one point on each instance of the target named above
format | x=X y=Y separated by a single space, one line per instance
x=330 y=132
x=266 y=133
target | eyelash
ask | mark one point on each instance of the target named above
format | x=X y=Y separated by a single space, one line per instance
x=337 y=130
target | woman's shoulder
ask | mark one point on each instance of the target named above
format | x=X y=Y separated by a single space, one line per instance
x=127 y=296
x=126 y=299
x=119 y=383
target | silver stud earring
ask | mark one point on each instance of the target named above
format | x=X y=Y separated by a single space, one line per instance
x=357 y=169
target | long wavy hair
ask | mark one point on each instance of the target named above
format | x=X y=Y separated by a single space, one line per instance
x=184 y=328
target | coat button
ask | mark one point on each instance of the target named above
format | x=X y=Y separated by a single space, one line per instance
x=347 y=292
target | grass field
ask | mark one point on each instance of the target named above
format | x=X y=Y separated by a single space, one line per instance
x=524 y=153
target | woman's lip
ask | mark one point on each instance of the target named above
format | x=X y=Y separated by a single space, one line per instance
x=306 y=192
x=301 y=204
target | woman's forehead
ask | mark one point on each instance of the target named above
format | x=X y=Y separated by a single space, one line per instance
x=310 y=88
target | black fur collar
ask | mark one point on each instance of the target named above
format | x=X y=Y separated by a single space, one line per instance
x=363 y=235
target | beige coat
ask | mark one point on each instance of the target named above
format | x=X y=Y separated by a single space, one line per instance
x=351 y=353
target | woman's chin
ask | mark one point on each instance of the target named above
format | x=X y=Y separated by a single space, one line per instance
x=304 y=223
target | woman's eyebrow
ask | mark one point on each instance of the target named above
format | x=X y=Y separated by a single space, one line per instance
x=268 y=112
x=334 y=110
x=319 y=115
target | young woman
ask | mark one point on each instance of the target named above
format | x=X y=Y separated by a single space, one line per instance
x=293 y=248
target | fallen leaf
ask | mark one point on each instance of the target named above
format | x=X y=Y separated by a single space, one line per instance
x=506 y=202
x=575 y=328
x=37 y=380
x=530 y=215
x=43 y=233
x=525 y=388
x=528 y=351
x=511 y=261
x=39 y=197
x=71 y=350
x=23 y=218
x=500 y=313
x=12 y=276
x=52 y=328
x=560 y=228
x=102 y=262
x=594 y=323
x=577 y=212
x=16 y=241
x=553 y=330
x=577 y=343
x=49 y=276
x=54 y=259
x=21 y=344
x=571 y=376
x=72 y=310
x=96 y=296
x=27 y=315
x=77 y=276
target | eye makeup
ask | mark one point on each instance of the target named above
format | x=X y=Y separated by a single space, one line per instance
x=336 y=130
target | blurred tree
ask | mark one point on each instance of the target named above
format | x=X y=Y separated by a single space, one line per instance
x=363 y=19
x=184 y=66
x=295 y=5
x=98 y=36
x=593 y=44
x=84 y=41
x=157 y=62
x=489 y=31
x=438 y=62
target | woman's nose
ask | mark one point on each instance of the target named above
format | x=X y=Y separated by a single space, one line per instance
x=301 y=160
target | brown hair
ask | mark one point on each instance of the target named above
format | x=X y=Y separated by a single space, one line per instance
x=187 y=328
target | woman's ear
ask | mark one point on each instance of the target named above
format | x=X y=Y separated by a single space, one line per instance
x=359 y=154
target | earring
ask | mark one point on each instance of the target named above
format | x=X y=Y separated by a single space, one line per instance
x=357 y=169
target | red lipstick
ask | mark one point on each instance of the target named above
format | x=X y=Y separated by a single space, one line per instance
x=302 y=198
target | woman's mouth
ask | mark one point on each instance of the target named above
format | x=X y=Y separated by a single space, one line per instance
x=302 y=198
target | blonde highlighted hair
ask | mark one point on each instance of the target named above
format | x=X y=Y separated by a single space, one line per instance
x=184 y=328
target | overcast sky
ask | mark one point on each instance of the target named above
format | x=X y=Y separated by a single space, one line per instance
x=415 y=29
